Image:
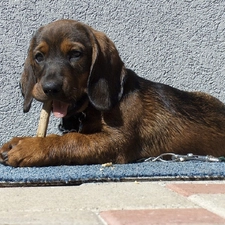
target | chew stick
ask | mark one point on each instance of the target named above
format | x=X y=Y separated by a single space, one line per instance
x=44 y=118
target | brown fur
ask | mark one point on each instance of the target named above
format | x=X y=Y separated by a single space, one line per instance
x=127 y=117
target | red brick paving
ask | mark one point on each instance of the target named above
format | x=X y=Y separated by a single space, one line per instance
x=161 y=216
x=170 y=216
x=191 y=189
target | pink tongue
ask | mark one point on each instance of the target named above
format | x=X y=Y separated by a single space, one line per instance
x=59 y=109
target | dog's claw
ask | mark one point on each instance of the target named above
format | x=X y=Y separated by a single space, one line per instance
x=4 y=156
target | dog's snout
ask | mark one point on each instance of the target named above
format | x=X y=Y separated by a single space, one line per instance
x=52 y=88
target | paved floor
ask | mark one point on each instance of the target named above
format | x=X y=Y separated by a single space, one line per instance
x=116 y=204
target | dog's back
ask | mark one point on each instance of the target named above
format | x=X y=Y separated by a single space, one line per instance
x=171 y=120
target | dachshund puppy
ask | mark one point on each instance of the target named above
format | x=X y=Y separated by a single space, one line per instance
x=109 y=114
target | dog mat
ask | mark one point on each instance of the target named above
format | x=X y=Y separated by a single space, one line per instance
x=75 y=175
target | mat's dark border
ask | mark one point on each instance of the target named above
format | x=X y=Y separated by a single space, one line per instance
x=101 y=180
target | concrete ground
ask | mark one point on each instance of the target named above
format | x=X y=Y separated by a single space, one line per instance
x=201 y=202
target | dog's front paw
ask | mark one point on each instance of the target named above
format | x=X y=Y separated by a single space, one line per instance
x=25 y=151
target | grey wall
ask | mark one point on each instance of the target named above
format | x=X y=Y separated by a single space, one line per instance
x=177 y=42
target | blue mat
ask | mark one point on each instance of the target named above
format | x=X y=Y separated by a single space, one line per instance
x=75 y=175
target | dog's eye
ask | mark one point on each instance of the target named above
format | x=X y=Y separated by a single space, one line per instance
x=39 y=57
x=74 y=55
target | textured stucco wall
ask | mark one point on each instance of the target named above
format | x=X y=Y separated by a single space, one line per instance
x=177 y=42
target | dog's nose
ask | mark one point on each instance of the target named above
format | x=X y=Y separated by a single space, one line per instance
x=51 y=88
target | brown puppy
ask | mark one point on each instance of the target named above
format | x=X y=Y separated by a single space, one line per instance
x=118 y=117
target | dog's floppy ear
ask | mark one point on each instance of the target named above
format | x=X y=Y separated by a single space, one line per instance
x=105 y=83
x=28 y=80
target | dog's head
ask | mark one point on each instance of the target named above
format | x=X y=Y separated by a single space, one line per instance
x=70 y=63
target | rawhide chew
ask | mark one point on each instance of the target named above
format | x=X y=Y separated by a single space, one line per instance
x=44 y=119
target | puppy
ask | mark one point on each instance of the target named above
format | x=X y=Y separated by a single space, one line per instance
x=109 y=114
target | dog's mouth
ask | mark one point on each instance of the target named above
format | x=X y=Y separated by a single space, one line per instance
x=59 y=108
x=61 y=105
